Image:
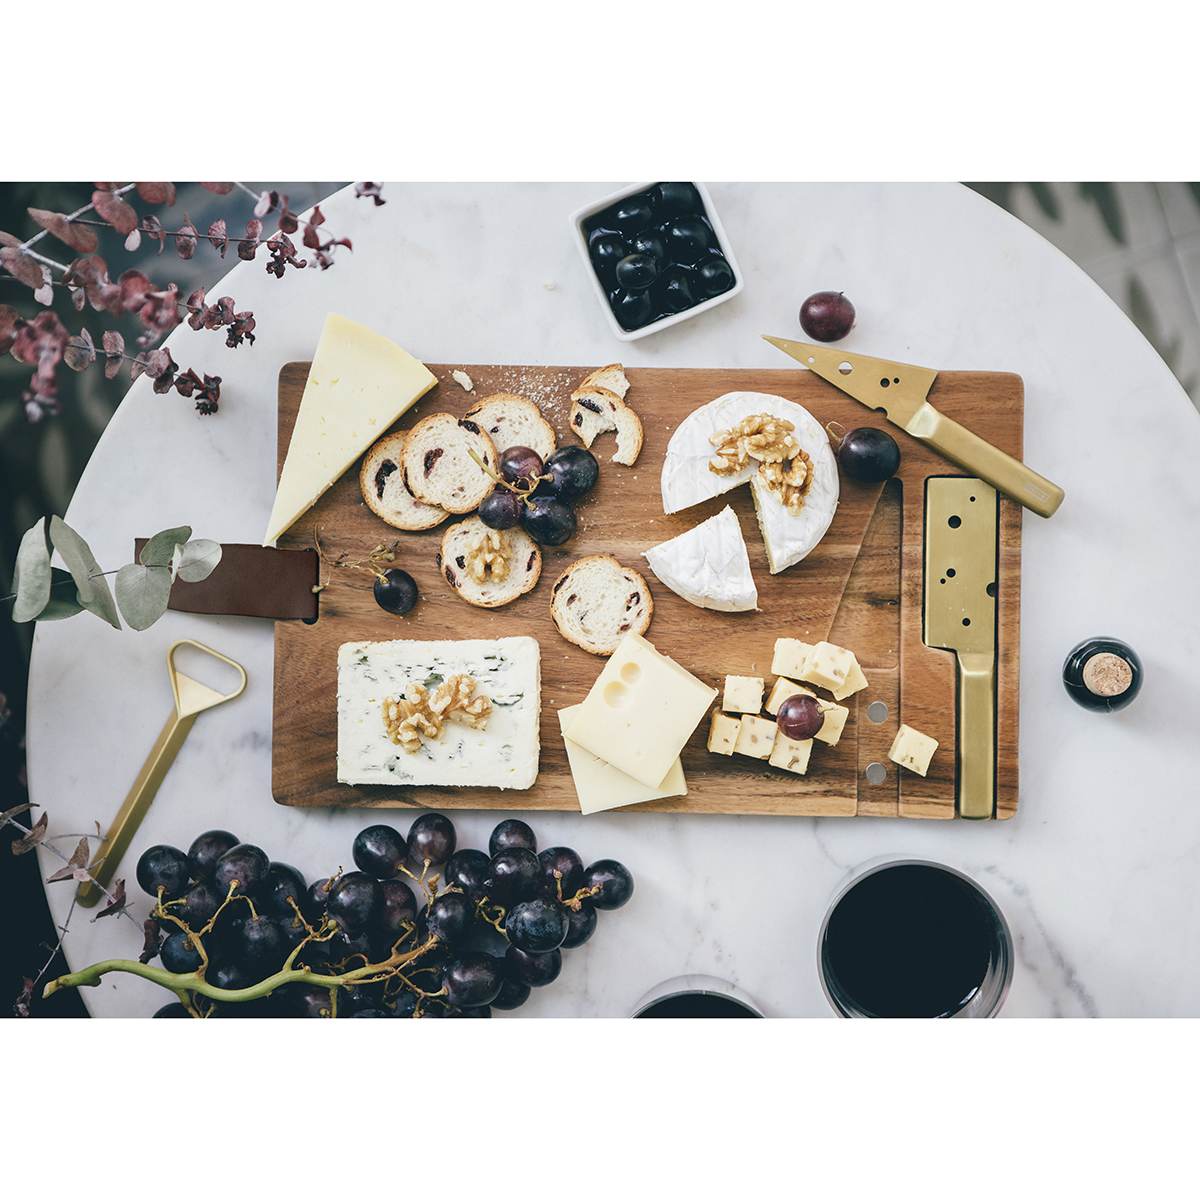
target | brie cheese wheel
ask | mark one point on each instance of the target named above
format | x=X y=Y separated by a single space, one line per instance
x=686 y=480
x=708 y=565
x=359 y=384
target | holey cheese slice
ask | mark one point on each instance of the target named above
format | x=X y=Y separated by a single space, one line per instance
x=686 y=480
x=708 y=565
x=359 y=384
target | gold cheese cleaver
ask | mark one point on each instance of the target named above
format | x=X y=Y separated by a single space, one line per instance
x=900 y=391
x=960 y=615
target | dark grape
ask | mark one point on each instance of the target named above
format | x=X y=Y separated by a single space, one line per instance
x=315 y=901
x=714 y=275
x=632 y=309
x=512 y=835
x=677 y=199
x=178 y=954
x=537 y=970
x=478 y=1010
x=568 y=863
x=513 y=993
x=688 y=239
x=198 y=905
x=581 y=925
x=399 y=907
x=380 y=850
x=614 y=881
x=263 y=947
x=501 y=509
x=675 y=290
x=869 y=455
x=165 y=868
x=405 y=1004
x=206 y=849
x=472 y=979
x=827 y=316
x=344 y=947
x=431 y=838
x=173 y=1010
x=800 y=717
x=469 y=870
x=355 y=901
x=636 y=271
x=548 y=520
x=573 y=472
x=537 y=926
x=228 y=975
x=633 y=214
x=283 y=885
x=396 y=592
x=450 y=917
x=306 y=1000
x=515 y=875
x=519 y=462
x=245 y=865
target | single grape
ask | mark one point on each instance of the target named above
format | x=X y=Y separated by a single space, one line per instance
x=163 y=868
x=228 y=975
x=399 y=907
x=537 y=970
x=512 y=994
x=501 y=509
x=405 y=1004
x=800 y=717
x=206 y=849
x=569 y=865
x=263 y=947
x=537 y=926
x=472 y=979
x=431 y=838
x=581 y=925
x=355 y=901
x=469 y=870
x=178 y=954
x=636 y=271
x=306 y=1000
x=511 y=835
x=198 y=905
x=827 y=316
x=573 y=472
x=396 y=592
x=348 y=949
x=713 y=275
x=869 y=455
x=548 y=520
x=515 y=875
x=380 y=850
x=613 y=880
x=450 y=917
x=283 y=887
x=245 y=865
x=520 y=463
x=315 y=901
x=174 y=1009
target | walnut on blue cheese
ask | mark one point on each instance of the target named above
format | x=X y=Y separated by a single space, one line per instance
x=501 y=751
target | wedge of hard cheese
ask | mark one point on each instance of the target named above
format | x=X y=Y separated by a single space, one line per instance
x=358 y=385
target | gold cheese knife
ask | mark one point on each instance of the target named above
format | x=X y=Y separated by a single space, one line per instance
x=900 y=391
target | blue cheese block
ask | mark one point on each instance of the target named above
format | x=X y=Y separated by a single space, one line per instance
x=504 y=755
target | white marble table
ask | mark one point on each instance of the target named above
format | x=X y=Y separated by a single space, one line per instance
x=1097 y=872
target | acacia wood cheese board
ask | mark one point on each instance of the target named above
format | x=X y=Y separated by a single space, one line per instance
x=861 y=587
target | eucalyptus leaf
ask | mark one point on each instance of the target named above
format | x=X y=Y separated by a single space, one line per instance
x=92 y=587
x=198 y=559
x=31 y=575
x=64 y=599
x=142 y=593
x=160 y=549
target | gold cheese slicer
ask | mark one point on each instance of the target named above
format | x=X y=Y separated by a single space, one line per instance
x=191 y=699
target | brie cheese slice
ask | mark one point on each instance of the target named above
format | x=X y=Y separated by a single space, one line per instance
x=708 y=565
x=686 y=480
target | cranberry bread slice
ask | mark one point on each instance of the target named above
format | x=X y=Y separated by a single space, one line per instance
x=437 y=463
x=381 y=482
x=611 y=377
x=511 y=420
x=596 y=410
x=596 y=601
x=489 y=567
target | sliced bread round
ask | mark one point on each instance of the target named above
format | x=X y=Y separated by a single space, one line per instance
x=596 y=410
x=611 y=377
x=468 y=558
x=437 y=463
x=381 y=482
x=511 y=420
x=596 y=601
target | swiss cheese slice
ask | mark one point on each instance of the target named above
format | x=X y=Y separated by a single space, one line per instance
x=359 y=384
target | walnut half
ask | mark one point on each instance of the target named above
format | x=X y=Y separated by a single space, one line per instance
x=421 y=713
x=488 y=557
x=782 y=465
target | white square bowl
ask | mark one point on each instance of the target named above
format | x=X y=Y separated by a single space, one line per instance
x=629 y=335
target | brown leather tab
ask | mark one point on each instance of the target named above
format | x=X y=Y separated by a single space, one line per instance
x=252 y=581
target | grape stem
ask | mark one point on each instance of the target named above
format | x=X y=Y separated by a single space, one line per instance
x=575 y=903
x=530 y=481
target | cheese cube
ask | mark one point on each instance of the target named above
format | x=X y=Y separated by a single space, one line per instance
x=783 y=690
x=640 y=712
x=855 y=682
x=743 y=694
x=791 y=755
x=600 y=786
x=912 y=749
x=828 y=666
x=723 y=733
x=834 y=723
x=755 y=737
x=791 y=657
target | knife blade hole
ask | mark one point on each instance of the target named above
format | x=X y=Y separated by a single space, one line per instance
x=950 y=572
x=941 y=581
x=885 y=383
x=880 y=409
x=897 y=379
x=845 y=368
x=954 y=522
x=876 y=773
x=877 y=712
x=966 y=620
x=972 y=499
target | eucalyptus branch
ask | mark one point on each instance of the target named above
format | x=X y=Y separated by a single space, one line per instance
x=79 y=212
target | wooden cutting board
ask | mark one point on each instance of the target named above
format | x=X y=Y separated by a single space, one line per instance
x=861 y=587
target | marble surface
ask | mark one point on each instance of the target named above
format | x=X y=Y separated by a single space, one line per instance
x=1096 y=874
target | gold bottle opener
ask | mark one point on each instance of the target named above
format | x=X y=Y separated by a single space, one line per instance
x=960 y=615
x=191 y=699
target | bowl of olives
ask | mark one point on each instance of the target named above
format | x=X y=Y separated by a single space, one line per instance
x=657 y=254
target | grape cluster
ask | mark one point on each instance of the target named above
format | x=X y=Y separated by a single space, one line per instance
x=486 y=929
x=539 y=495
